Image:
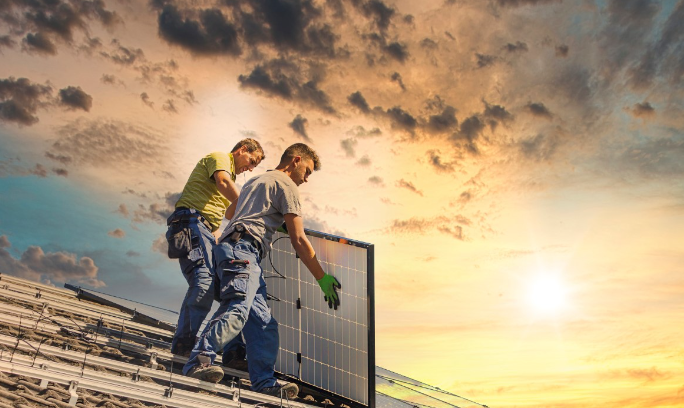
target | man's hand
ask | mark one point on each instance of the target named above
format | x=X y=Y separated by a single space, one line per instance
x=328 y=284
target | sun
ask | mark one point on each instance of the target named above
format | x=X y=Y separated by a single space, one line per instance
x=546 y=294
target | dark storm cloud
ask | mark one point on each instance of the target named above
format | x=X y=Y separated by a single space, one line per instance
x=284 y=79
x=496 y=114
x=397 y=50
x=538 y=148
x=348 y=146
x=484 y=60
x=422 y=226
x=663 y=56
x=469 y=132
x=642 y=110
x=299 y=124
x=106 y=143
x=39 y=43
x=517 y=47
x=379 y=12
x=20 y=100
x=37 y=265
x=401 y=119
x=74 y=98
x=562 y=51
x=396 y=77
x=210 y=34
x=444 y=122
x=45 y=22
x=538 y=109
x=359 y=101
x=436 y=162
x=409 y=186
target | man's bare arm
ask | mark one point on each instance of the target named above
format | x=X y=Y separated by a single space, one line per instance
x=301 y=244
x=225 y=185
x=230 y=211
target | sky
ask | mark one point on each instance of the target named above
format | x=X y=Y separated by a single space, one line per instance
x=518 y=165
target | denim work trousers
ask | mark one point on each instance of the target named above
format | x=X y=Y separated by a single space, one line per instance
x=243 y=308
x=200 y=277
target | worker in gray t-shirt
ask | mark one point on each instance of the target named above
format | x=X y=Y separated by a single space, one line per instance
x=264 y=203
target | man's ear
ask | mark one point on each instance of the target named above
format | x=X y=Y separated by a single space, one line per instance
x=297 y=160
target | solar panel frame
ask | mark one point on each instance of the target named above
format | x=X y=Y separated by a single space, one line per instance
x=325 y=335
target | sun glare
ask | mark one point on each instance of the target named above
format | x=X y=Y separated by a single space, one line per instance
x=546 y=294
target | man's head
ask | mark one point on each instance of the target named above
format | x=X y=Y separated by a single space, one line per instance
x=299 y=161
x=247 y=154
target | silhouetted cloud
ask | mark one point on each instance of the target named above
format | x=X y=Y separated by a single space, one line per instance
x=298 y=124
x=538 y=109
x=443 y=122
x=359 y=101
x=73 y=98
x=396 y=77
x=169 y=106
x=7 y=41
x=469 y=132
x=210 y=34
x=284 y=79
x=364 y=161
x=38 y=43
x=642 y=110
x=123 y=55
x=60 y=172
x=517 y=47
x=37 y=265
x=484 y=60
x=423 y=226
x=145 y=98
x=401 y=119
x=496 y=114
x=20 y=100
x=409 y=186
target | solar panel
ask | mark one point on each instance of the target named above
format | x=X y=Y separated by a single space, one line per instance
x=329 y=349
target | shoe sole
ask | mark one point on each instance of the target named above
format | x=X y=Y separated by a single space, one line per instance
x=291 y=390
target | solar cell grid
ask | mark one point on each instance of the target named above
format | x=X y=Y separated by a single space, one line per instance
x=333 y=343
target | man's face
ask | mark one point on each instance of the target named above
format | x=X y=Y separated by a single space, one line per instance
x=302 y=171
x=246 y=161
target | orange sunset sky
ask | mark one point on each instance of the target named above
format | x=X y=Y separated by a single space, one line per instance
x=516 y=163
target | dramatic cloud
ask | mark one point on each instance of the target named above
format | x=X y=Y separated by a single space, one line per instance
x=443 y=122
x=285 y=79
x=361 y=133
x=396 y=77
x=146 y=100
x=156 y=212
x=122 y=55
x=484 y=60
x=517 y=47
x=469 y=132
x=20 y=100
x=74 y=98
x=538 y=148
x=117 y=233
x=46 y=23
x=169 y=106
x=409 y=186
x=298 y=124
x=348 y=146
x=400 y=119
x=39 y=266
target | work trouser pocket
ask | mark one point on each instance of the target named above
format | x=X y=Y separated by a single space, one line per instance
x=179 y=238
x=233 y=273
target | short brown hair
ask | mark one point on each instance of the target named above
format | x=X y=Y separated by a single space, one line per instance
x=252 y=146
x=302 y=150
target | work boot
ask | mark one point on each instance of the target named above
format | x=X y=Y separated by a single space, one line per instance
x=206 y=372
x=287 y=390
x=235 y=359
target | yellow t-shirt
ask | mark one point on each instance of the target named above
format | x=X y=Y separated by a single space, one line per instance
x=200 y=191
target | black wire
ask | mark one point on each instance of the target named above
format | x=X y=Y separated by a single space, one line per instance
x=271 y=260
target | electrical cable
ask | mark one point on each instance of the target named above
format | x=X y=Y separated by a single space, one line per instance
x=271 y=260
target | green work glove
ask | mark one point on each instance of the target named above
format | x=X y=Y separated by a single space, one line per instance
x=328 y=284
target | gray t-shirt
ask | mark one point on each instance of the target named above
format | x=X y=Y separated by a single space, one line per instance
x=263 y=201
